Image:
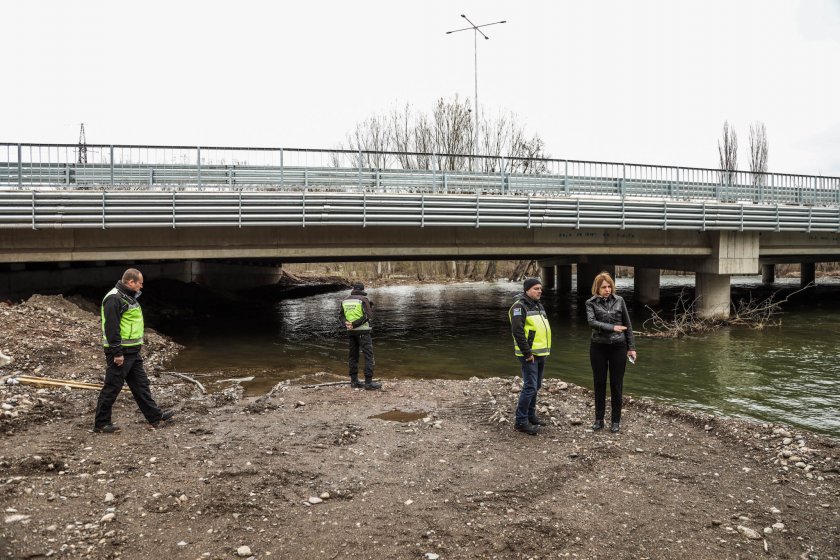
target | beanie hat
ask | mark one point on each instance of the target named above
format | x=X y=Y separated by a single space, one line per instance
x=358 y=286
x=530 y=283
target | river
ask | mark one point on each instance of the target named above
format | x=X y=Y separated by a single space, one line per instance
x=789 y=373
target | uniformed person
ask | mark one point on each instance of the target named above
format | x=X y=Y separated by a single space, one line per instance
x=122 y=338
x=355 y=314
x=532 y=345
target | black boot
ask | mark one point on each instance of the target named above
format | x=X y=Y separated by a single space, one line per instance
x=355 y=383
x=598 y=425
x=537 y=421
x=372 y=385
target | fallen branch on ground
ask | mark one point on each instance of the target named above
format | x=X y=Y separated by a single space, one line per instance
x=188 y=378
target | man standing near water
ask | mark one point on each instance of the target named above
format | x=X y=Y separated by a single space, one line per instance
x=531 y=344
x=356 y=314
x=122 y=338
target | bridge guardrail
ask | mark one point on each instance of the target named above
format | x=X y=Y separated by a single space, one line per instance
x=43 y=209
x=47 y=166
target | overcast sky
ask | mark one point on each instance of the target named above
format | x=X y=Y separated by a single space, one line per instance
x=636 y=81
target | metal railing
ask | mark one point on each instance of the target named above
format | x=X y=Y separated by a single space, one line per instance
x=57 y=208
x=166 y=168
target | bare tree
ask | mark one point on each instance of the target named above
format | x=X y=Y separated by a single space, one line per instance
x=758 y=153
x=444 y=140
x=728 y=153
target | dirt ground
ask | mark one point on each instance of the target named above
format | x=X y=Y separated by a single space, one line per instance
x=311 y=473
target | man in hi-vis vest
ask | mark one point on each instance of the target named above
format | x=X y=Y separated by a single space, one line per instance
x=122 y=338
x=532 y=345
x=355 y=314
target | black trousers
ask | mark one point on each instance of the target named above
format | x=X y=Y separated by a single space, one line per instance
x=363 y=342
x=604 y=358
x=131 y=372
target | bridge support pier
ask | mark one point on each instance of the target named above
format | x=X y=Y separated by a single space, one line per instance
x=564 y=278
x=768 y=273
x=547 y=276
x=712 y=295
x=807 y=273
x=234 y=276
x=646 y=285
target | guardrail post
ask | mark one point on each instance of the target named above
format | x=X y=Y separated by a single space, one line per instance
x=502 y=174
x=677 y=184
x=20 y=165
x=198 y=163
x=112 y=165
x=623 y=179
x=282 y=178
x=360 y=169
x=566 y=178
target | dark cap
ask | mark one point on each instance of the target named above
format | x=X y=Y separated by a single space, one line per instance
x=358 y=286
x=530 y=283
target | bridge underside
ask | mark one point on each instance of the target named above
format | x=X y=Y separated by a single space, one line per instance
x=674 y=249
x=236 y=258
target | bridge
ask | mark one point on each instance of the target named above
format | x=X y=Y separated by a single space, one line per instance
x=226 y=214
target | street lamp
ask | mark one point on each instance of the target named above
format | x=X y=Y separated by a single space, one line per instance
x=476 y=30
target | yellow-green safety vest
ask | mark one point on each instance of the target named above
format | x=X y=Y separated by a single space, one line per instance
x=537 y=331
x=354 y=310
x=131 y=322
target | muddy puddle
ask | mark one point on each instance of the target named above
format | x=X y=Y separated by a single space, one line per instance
x=397 y=415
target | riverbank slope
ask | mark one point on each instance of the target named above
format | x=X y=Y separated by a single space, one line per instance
x=311 y=473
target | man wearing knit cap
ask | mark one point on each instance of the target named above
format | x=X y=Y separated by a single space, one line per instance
x=355 y=314
x=532 y=345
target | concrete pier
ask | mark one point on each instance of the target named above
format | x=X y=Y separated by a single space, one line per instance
x=646 y=285
x=768 y=273
x=712 y=295
x=564 y=278
x=807 y=273
x=547 y=276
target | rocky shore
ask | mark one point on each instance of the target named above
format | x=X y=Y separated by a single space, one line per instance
x=423 y=469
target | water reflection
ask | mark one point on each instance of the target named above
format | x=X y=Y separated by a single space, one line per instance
x=789 y=373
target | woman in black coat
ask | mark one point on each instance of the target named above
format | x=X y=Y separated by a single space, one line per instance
x=611 y=345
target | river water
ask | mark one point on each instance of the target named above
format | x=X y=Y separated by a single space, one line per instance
x=789 y=373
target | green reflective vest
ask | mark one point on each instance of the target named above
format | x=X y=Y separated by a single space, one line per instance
x=537 y=331
x=354 y=310
x=131 y=322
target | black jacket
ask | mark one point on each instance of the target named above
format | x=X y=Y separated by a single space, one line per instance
x=113 y=308
x=603 y=314
x=517 y=322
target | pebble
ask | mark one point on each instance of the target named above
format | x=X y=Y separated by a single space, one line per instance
x=575 y=421
x=182 y=543
x=778 y=526
x=787 y=441
x=749 y=533
x=325 y=495
x=243 y=551
x=408 y=502
x=107 y=517
x=431 y=556
x=768 y=531
x=774 y=510
x=17 y=517
x=315 y=500
x=109 y=498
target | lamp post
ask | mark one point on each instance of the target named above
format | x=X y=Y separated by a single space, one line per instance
x=476 y=30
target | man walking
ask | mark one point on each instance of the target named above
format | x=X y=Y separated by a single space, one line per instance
x=356 y=314
x=122 y=338
x=532 y=344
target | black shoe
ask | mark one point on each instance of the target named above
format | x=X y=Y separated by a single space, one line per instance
x=371 y=385
x=537 y=421
x=107 y=429
x=598 y=425
x=356 y=384
x=526 y=428
x=167 y=414
x=615 y=427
